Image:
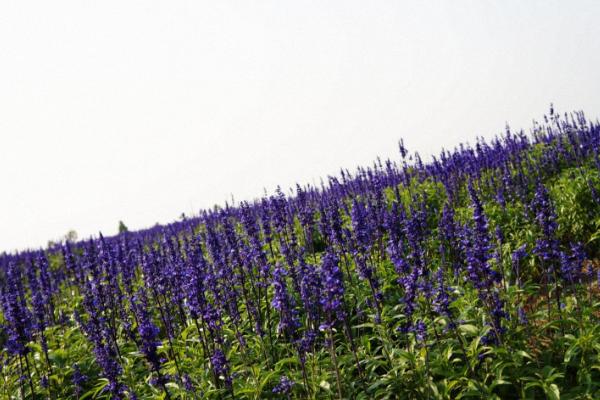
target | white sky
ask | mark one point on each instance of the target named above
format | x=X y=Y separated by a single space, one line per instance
x=141 y=110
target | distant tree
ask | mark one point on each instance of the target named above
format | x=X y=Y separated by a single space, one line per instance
x=71 y=236
x=122 y=227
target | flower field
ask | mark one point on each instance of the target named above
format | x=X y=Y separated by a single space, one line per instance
x=473 y=275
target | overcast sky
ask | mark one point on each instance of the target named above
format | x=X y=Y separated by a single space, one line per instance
x=141 y=110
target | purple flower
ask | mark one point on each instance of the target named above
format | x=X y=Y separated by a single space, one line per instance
x=478 y=253
x=221 y=367
x=284 y=386
x=332 y=300
x=547 y=245
x=284 y=303
x=522 y=316
x=310 y=293
x=78 y=380
x=516 y=259
x=16 y=314
x=420 y=330
x=147 y=330
x=188 y=384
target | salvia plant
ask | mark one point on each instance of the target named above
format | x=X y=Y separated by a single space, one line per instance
x=474 y=274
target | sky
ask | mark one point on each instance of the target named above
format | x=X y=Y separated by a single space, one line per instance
x=142 y=110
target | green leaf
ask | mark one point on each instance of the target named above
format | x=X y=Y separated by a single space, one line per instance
x=552 y=392
x=524 y=354
x=499 y=382
x=266 y=380
x=469 y=329
x=571 y=351
x=96 y=390
x=376 y=385
x=365 y=325
x=286 y=361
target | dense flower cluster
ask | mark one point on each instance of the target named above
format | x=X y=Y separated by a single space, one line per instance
x=390 y=248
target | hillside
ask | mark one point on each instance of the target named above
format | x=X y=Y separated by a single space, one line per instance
x=475 y=275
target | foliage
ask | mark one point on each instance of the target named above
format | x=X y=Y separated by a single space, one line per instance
x=472 y=276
